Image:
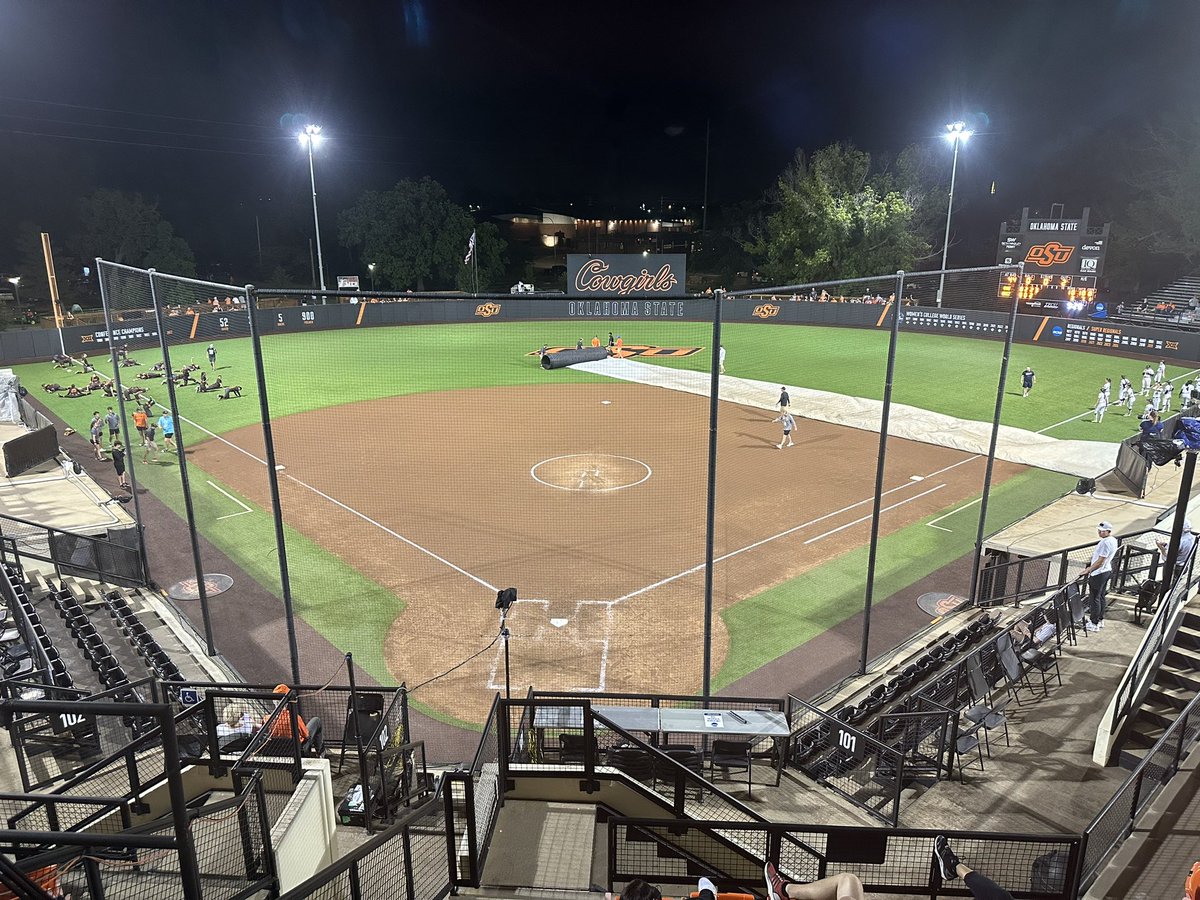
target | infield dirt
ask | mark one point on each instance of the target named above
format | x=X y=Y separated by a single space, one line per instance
x=593 y=510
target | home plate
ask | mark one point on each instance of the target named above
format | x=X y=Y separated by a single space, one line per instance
x=559 y=623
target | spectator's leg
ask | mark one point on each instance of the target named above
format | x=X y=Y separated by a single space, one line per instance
x=982 y=887
x=845 y=886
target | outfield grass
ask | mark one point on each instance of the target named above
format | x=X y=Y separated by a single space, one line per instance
x=316 y=370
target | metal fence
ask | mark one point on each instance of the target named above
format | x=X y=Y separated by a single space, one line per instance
x=1114 y=823
x=1003 y=580
x=115 y=559
x=891 y=862
x=349 y=537
x=408 y=861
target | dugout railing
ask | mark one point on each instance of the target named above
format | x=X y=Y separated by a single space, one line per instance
x=892 y=862
x=72 y=553
x=1012 y=581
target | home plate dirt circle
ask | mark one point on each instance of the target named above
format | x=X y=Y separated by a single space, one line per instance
x=590 y=472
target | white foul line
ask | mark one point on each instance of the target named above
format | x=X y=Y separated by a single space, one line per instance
x=1090 y=411
x=245 y=508
x=348 y=509
x=783 y=534
x=932 y=524
x=864 y=518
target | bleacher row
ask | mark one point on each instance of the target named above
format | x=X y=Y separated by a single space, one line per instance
x=33 y=653
x=955 y=679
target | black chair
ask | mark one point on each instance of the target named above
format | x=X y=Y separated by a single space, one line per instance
x=1044 y=661
x=635 y=762
x=965 y=743
x=573 y=749
x=691 y=759
x=731 y=756
x=1014 y=670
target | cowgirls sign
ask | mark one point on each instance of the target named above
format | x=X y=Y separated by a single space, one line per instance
x=626 y=275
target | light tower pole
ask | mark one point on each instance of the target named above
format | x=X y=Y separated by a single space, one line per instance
x=956 y=133
x=310 y=138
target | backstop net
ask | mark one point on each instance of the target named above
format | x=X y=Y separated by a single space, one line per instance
x=414 y=455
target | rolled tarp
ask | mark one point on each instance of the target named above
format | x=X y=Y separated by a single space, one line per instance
x=570 y=357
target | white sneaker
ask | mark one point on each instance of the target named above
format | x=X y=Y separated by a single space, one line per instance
x=706 y=885
x=1090 y=627
x=790 y=444
x=779 y=446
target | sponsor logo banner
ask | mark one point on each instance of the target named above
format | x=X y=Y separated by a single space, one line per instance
x=765 y=311
x=1051 y=253
x=627 y=275
x=487 y=310
x=635 y=350
x=625 y=309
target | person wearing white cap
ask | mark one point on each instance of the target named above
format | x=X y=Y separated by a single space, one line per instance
x=1098 y=572
x=1187 y=543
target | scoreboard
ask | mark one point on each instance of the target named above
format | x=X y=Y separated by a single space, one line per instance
x=1104 y=336
x=1054 y=246
x=1056 y=295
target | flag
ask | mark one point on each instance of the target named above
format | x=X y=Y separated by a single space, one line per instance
x=470 y=249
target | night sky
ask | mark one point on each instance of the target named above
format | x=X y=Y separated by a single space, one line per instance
x=566 y=107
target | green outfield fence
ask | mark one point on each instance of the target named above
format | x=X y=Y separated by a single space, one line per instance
x=259 y=482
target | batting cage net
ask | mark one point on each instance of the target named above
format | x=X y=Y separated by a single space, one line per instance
x=685 y=495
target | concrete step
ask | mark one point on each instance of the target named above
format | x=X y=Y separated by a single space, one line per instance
x=1188 y=638
x=1170 y=695
x=1171 y=674
x=1143 y=738
x=1156 y=715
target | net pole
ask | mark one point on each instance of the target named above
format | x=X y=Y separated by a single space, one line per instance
x=201 y=588
x=710 y=517
x=991 y=457
x=133 y=485
x=880 y=464
x=285 y=579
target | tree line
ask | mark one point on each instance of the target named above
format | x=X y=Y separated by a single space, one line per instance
x=838 y=212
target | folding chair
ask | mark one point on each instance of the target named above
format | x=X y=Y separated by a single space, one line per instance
x=731 y=756
x=967 y=741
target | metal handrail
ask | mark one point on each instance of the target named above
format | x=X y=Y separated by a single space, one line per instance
x=349 y=863
x=1152 y=645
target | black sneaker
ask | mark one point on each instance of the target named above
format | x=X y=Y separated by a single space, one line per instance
x=947 y=862
x=776 y=889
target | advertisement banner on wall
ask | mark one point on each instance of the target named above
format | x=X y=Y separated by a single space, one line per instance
x=621 y=275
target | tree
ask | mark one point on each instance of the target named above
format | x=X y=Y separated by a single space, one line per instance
x=831 y=217
x=417 y=239
x=1163 y=219
x=126 y=228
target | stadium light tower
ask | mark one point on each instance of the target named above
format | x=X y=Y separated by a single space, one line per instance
x=310 y=139
x=956 y=133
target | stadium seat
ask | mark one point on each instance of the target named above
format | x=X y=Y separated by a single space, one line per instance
x=731 y=756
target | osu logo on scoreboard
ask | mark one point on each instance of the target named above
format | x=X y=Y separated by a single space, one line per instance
x=766 y=310
x=487 y=310
x=1052 y=253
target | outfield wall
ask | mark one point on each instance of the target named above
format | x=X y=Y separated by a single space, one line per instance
x=29 y=345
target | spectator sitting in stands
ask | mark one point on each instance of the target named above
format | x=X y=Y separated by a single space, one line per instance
x=641 y=890
x=236 y=722
x=234 y=391
x=73 y=391
x=1150 y=426
x=310 y=734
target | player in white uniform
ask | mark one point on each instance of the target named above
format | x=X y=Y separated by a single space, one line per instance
x=1130 y=395
x=1147 y=380
x=1156 y=398
x=1101 y=406
x=1107 y=389
x=1168 y=393
x=1162 y=371
x=1185 y=395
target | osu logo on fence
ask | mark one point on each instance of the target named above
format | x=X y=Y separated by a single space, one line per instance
x=487 y=310
x=1052 y=253
x=766 y=310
